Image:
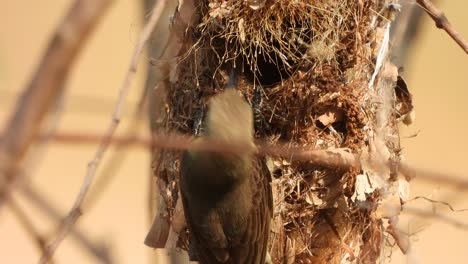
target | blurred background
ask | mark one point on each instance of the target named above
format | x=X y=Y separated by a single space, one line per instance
x=436 y=74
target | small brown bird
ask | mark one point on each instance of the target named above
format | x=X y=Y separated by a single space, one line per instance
x=227 y=198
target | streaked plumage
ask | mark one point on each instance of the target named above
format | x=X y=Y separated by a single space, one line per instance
x=227 y=198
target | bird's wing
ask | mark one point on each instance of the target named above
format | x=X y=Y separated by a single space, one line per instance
x=214 y=245
x=253 y=246
x=204 y=223
x=210 y=239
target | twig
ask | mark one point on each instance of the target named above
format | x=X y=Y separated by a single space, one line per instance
x=75 y=212
x=50 y=127
x=442 y=22
x=28 y=226
x=411 y=172
x=48 y=81
x=339 y=158
x=99 y=251
x=332 y=158
x=114 y=162
x=430 y=214
x=7 y=187
x=404 y=31
x=438 y=202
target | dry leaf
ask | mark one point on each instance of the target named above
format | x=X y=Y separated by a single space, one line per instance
x=331 y=116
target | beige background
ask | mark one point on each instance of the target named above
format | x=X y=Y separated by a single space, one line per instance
x=437 y=76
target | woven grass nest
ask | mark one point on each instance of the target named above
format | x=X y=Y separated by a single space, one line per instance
x=303 y=65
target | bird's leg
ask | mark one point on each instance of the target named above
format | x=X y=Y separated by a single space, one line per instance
x=261 y=124
x=192 y=250
x=198 y=117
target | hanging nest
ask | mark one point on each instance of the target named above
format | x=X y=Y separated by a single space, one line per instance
x=304 y=66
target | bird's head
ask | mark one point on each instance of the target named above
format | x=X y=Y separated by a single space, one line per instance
x=229 y=119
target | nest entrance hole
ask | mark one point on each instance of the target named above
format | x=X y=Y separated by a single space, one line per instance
x=268 y=73
x=272 y=67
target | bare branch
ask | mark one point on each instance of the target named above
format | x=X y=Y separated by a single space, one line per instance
x=438 y=202
x=75 y=212
x=411 y=172
x=114 y=162
x=430 y=214
x=442 y=22
x=329 y=158
x=99 y=251
x=404 y=31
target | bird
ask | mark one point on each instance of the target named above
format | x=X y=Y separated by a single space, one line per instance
x=227 y=198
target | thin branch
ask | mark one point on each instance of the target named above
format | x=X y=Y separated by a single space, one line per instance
x=48 y=81
x=430 y=214
x=331 y=158
x=7 y=187
x=404 y=31
x=101 y=252
x=75 y=212
x=49 y=126
x=438 y=202
x=411 y=172
x=442 y=22
x=114 y=162
x=119 y=156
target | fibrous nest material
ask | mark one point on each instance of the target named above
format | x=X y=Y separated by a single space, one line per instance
x=304 y=66
x=280 y=34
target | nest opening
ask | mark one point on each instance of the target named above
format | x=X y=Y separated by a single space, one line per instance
x=268 y=73
x=268 y=45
